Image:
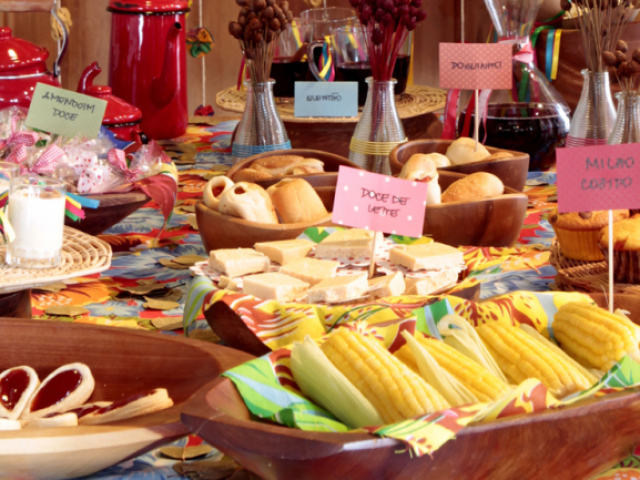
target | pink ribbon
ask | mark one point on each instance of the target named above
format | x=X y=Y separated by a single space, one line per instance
x=18 y=154
x=525 y=55
x=118 y=159
x=47 y=161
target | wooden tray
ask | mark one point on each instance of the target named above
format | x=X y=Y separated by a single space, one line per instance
x=82 y=255
x=331 y=162
x=123 y=362
x=589 y=277
x=512 y=171
x=564 y=444
x=233 y=331
x=114 y=207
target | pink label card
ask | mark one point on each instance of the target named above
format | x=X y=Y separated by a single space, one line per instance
x=476 y=66
x=379 y=202
x=603 y=177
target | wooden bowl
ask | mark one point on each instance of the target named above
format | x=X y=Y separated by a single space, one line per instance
x=226 y=231
x=235 y=333
x=16 y=304
x=114 y=207
x=570 y=443
x=512 y=171
x=123 y=362
x=331 y=162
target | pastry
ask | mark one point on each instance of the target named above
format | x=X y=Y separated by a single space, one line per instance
x=464 y=150
x=351 y=243
x=251 y=175
x=310 y=270
x=579 y=233
x=422 y=168
x=306 y=167
x=626 y=249
x=427 y=285
x=235 y=262
x=214 y=189
x=339 y=289
x=428 y=256
x=387 y=286
x=274 y=286
x=498 y=156
x=16 y=389
x=250 y=202
x=296 y=201
x=54 y=421
x=473 y=187
x=6 y=424
x=285 y=251
x=66 y=388
x=276 y=164
x=226 y=283
x=136 y=405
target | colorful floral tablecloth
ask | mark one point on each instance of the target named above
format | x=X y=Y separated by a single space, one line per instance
x=139 y=247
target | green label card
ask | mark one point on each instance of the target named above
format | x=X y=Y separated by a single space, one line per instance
x=64 y=112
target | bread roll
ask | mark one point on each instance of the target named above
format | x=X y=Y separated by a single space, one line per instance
x=248 y=201
x=277 y=164
x=251 y=175
x=498 y=156
x=306 y=166
x=296 y=201
x=463 y=151
x=473 y=187
x=421 y=168
x=214 y=189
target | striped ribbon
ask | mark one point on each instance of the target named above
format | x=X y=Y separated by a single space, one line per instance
x=47 y=161
x=243 y=151
x=296 y=34
x=199 y=289
x=6 y=230
x=328 y=72
x=4 y=198
x=373 y=148
x=241 y=74
x=75 y=203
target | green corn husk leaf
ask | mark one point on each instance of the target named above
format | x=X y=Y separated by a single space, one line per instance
x=446 y=384
x=323 y=383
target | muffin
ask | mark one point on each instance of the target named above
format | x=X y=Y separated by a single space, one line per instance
x=626 y=249
x=579 y=233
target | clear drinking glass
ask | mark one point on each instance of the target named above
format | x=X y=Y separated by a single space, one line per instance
x=290 y=58
x=37 y=218
x=627 y=125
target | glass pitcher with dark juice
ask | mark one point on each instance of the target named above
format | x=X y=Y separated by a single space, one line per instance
x=289 y=59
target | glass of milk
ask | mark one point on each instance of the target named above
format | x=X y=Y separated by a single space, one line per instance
x=37 y=218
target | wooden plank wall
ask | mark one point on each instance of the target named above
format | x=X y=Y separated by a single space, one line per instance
x=90 y=39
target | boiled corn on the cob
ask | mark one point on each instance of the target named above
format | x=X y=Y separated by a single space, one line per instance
x=446 y=384
x=395 y=391
x=323 y=383
x=595 y=337
x=521 y=357
x=483 y=384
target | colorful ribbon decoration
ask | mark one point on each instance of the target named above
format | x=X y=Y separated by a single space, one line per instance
x=118 y=159
x=328 y=73
x=75 y=203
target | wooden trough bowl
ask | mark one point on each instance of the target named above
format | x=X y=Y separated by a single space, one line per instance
x=114 y=207
x=512 y=171
x=570 y=443
x=122 y=362
x=332 y=163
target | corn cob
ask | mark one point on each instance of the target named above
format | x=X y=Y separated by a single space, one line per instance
x=395 y=391
x=446 y=384
x=595 y=337
x=323 y=383
x=483 y=384
x=521 y=357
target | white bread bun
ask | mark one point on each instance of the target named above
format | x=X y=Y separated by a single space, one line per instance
x=296 y=201
x=277 y=164
x=307 y=166
x=463 y=151
x=214 y=189
x=248 y=201
x=251 y=175
x=473 y=187
x=419 y=168
x=498 y=156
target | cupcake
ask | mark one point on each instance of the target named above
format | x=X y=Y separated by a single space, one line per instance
x=626 y=249
x=579 y=233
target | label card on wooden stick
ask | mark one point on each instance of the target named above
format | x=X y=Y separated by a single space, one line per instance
x=379 y=203
x=64 y=112
x=476 y=66
x=603 y=177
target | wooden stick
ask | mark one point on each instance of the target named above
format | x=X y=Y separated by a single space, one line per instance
x=476 y=122
x=611 y=279
x=372 y=266
x=26 y=5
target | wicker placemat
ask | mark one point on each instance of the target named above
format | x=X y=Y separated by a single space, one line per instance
x=417 y=100
x=578 y=276
x=82 y=255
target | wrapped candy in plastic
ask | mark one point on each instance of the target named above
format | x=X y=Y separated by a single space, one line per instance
x=148 y=160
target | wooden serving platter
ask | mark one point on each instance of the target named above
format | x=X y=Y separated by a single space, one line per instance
x=570 y=443
x=123 y=362
x=512 y=171
x=114 y=207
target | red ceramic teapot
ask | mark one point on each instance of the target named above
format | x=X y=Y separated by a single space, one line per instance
x=148 y=62
x=22 y=66
x=122 y=118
